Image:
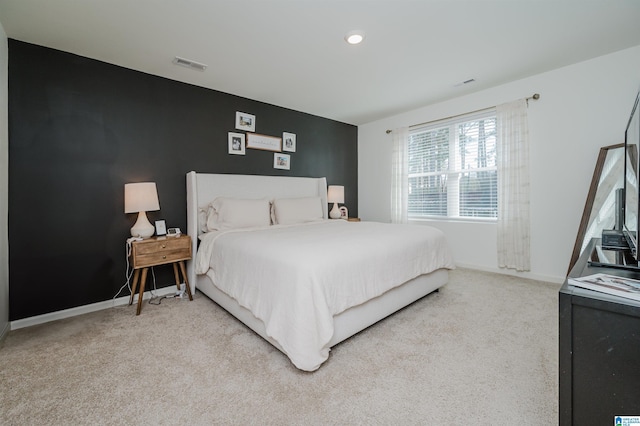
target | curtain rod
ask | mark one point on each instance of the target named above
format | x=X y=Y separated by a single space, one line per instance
x=535 y=97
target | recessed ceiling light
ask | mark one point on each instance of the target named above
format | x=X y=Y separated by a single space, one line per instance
x=354 y=37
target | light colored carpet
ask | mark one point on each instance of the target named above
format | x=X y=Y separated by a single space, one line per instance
x=482 y=351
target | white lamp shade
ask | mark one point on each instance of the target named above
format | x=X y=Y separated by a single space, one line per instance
x=335 y=194
x=140 y=197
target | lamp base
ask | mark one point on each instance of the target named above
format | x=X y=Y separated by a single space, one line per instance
x=335 y=212
x=142 y=228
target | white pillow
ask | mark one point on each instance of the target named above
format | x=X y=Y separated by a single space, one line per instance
x=228 y=213
x=203 y=216
x=297 y=210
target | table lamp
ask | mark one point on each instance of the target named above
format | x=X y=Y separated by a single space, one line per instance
x=141 y=197
x=335 y=195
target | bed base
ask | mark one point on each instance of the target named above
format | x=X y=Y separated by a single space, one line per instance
x=347 y=323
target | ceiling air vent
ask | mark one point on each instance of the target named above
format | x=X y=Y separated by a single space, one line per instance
x=462 y=83
x=189 y=64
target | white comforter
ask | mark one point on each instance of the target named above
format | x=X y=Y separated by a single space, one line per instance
x=296 y=278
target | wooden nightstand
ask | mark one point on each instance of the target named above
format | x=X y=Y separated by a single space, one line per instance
x=159 y=251
x=353 y=219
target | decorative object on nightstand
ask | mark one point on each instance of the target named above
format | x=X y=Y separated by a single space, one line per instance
x=141 y=197
x=173 y=232
x=335 y=195
x=161 y=228
x=344 y=213
x=159 y=251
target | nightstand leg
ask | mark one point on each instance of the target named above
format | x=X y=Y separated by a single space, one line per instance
x=143 y=280
x=136 y=275
x=175 y=274
x=186 y=280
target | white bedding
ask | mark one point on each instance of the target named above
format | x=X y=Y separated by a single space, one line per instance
x=295 y=278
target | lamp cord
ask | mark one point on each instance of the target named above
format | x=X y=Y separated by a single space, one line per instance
x=129 y=273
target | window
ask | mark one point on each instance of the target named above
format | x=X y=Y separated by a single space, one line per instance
x=452 y=168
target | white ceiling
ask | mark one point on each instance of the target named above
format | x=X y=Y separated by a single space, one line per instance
x=292 y=53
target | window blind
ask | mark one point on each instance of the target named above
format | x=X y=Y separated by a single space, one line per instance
x=452 y=167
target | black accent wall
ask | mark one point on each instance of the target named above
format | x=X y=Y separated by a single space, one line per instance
x=79 y=129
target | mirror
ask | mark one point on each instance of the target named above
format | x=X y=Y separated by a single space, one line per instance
x=600 y=207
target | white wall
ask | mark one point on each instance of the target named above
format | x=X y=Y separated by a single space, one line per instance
x=4 y=185
x=582 y=107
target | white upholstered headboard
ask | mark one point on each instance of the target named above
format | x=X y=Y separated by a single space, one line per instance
x=203 y=188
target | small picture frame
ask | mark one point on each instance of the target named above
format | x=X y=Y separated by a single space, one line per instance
x=288 y=142
x=161 y=228
x=281 y=161
x=236 y=143
x=246 y=122
x=264 y=142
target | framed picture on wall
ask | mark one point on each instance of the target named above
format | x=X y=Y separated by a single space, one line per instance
x=289 y=142
x=281 y=161
x=267 y=143
x=245 y=121
x=236 y=143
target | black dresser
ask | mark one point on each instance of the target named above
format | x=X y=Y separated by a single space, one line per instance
x=599 y=350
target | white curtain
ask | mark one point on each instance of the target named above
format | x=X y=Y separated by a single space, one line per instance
x=399 y=176
x=513 y=186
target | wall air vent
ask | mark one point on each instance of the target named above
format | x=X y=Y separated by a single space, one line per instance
x=189 y=64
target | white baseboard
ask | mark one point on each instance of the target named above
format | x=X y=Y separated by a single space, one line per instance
x=79 y=310
x=511 y=272
x=5 y=331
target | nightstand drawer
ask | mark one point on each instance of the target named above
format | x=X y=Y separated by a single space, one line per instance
x=166 y=256
x=160 y=251
x=158 y=245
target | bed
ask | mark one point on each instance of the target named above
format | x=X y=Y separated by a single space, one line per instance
x=303 y=282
